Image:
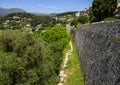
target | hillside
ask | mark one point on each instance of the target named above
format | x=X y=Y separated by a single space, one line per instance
x=69 y=16
x=26 y=20
x=67 y=13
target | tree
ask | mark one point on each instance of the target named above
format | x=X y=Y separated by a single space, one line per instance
x=74 y=22
x=31 y=59
x=91 y=16
x=83 y=19
x=27 y=60
x=103 y=8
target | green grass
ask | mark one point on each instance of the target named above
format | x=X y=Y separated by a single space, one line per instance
x=73 y=69
x=110 y=19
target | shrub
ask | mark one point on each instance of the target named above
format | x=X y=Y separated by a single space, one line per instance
x=56 y=34
x=74 y=22
x=83 y=19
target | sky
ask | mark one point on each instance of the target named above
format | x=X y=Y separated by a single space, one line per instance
x=47 y=6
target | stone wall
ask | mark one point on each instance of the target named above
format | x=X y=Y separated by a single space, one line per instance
x=98 y=48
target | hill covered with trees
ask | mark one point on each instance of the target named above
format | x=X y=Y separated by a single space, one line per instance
x=26 y=20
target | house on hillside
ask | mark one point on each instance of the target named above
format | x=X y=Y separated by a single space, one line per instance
x=77 y=14
x=84 y=12
x=16 y=17
x=118 y=5
x=117 y=13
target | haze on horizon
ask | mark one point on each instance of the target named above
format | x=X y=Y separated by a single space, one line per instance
x=47 y=6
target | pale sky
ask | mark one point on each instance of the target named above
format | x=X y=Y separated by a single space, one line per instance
x=47 y=6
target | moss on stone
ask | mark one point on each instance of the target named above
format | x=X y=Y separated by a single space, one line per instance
x=117 y=39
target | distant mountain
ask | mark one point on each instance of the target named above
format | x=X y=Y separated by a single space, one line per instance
x=39 y=14
x=45 y=14
x=53 y=14
x=4 y=12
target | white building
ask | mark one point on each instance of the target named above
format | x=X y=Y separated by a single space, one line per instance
x=16 y=17
x=118 y=5
x=77 y=14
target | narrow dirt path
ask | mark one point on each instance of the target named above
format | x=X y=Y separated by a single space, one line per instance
x=62 y=74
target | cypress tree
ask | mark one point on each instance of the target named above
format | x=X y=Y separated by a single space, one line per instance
x=103 y=8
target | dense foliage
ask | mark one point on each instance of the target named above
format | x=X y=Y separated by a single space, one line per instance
x=74 y=22
x=83 y=19
x=102 y=9
x=66 y=13
x=26 y=59
x=56 y=34
x=58 y=38
x=92 y=18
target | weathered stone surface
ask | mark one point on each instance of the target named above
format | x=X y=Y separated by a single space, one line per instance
x=98 y=48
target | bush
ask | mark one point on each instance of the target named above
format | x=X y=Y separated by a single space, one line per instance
x=56 y=34
x=74 y=22
x=83 y=19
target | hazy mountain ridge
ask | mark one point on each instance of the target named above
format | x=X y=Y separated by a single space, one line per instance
x=4 y=12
